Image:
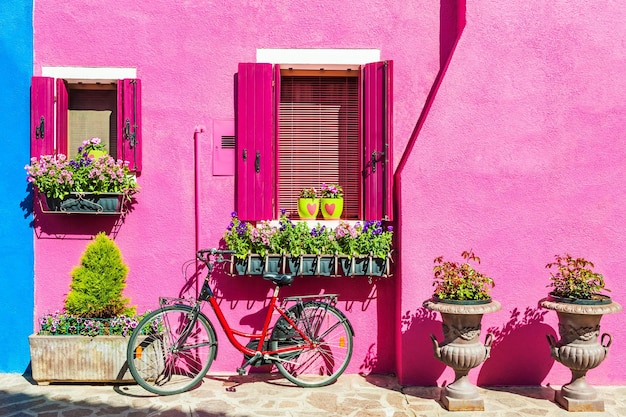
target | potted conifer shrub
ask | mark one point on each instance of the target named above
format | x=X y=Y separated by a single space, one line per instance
x=462 y=296
x=87 y=341
x=576 y=297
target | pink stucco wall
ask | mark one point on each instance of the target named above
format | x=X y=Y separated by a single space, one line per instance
x=518 y=155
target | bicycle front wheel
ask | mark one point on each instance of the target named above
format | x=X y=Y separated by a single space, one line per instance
x=169 y=352
x=322 y=360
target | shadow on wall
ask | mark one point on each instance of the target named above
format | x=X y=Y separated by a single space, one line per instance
x=380 y=357
x=452 y=22
x=359 y=299
x=523 y=338
x=420 y=359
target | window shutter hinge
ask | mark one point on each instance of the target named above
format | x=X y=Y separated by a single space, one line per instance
x=39 y=130
x=374 y=159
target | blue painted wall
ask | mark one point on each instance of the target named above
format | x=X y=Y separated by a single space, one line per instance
x=16 y=235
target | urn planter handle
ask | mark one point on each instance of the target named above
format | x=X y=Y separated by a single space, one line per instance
x=489 y=340
x=551 y=340
x=606 y=335
x=554 y=347
x=436 y=347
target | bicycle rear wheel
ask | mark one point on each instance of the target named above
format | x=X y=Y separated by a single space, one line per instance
x=169 y=352
x=323 y=360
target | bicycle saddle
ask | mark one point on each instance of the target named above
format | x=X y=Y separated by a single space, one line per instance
x=279 y=279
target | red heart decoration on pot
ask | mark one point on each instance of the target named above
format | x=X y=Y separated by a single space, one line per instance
x=311 y=208
x=330 y=208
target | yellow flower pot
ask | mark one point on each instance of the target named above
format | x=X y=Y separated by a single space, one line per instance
x=308 y=208
x=332 y=208
x=95 y=153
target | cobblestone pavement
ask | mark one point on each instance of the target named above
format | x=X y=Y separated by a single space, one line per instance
x=262 y=395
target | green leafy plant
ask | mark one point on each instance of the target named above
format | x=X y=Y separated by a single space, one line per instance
x=264 y=238
x=237 y=237
x=98 y=283
x=331 y=191
x=56 y=176
x=319 y=241
x=308 y=193
x=345 y=236
x=574 y=278
x=461 y=281
x=373 y=239
x=290 y=238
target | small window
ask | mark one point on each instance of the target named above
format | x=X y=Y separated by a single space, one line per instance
x=92 y=112
x=318 y=136
x=65 y=112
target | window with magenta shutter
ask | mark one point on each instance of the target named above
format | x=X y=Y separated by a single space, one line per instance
x=298 y=128
x=64 y=113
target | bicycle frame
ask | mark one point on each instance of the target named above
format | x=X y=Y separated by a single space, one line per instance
x=310 y=342
x=207 y=294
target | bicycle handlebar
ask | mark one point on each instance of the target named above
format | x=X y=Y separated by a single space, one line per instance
x=213 y=251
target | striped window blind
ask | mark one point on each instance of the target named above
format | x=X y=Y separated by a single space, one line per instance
x=318 y=137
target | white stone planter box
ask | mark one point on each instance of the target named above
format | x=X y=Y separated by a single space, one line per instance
x=79 y=359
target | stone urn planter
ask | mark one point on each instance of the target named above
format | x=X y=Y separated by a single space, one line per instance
x=461 y=348
x=579 y=348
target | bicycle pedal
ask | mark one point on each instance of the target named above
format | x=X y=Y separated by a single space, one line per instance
x=241 y=371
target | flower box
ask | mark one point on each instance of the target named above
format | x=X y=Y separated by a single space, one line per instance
x=91 y=182
x=257 y=265
x=347 y=249
x=365 y=266
x=312 y=265
x=79 y=358
x=84 y=203
x=323 y=265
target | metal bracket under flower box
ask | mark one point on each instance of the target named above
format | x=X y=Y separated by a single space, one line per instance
x=84 y=203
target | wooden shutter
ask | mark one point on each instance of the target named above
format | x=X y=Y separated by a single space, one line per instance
x=129 y=139
x=254 y=159
x=319 y=136
x=62 y=112
x=378 y=145
x=42 y=116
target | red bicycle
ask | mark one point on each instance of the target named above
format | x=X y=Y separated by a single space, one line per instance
x=172 y=348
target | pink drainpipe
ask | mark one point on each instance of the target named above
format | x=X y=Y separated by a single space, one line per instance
x=196 y=180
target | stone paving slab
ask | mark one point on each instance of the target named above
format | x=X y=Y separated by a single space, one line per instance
x=263 y=395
